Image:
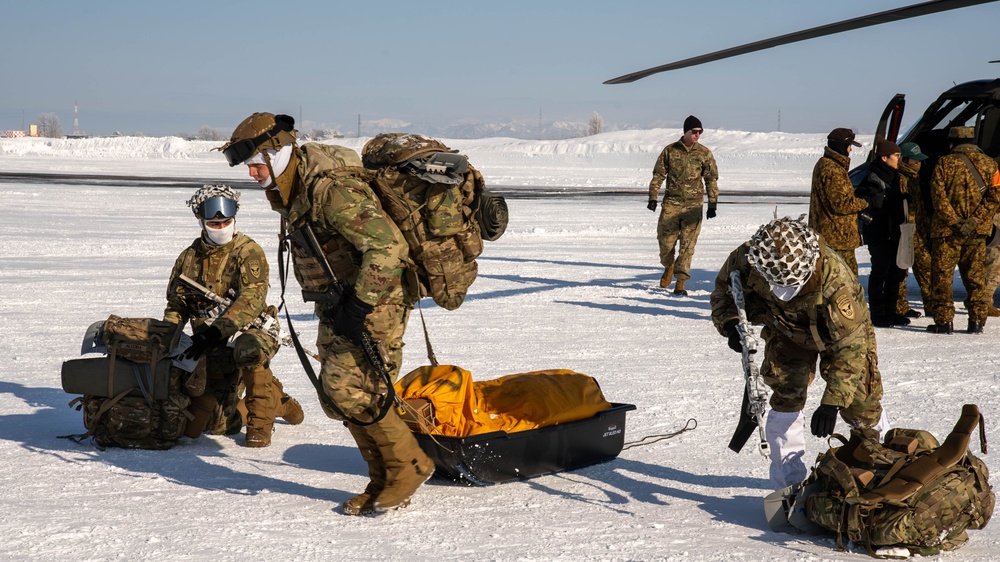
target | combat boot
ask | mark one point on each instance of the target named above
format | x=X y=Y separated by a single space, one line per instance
x=668 y=275
x=407 y=467
x=363 y=503
x=976 y=326
x=679 y=287
x=289 y=408
x=945 y=328
x=259 y=435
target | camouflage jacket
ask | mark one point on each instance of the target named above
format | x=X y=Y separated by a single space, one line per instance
x=684 y=169
x=236 y=271
x=833 y=207
x=909 y=184
x=364 y=247
x=955 y=193
x=829 y=316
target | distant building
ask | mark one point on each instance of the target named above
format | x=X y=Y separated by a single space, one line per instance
x=32 y=132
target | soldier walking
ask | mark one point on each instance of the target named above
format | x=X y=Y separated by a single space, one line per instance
x=229 y=264
x=366 y=251
x=833 y=207
x=965 y=194
x=688 y=168
x=812 y=307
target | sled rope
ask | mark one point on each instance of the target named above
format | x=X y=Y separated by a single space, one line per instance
x=691 y=424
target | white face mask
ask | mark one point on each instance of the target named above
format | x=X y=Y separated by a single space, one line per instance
x=219 y=236
x=786 y=293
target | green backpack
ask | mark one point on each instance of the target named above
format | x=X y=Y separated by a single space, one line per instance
x=907 y=492
x=133 y=396
x=441 y=205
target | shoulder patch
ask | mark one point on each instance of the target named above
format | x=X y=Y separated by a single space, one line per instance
x=844 y=305
x=254 y=267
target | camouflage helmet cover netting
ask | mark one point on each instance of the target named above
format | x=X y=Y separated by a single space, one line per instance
x=209 y=191
x=784 y=252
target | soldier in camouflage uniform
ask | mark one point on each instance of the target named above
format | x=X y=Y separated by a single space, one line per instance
x=964 y=205
x=689 y=169
x=833 y=207
x=909 y=171
x=317 y=186
x=812 y=307
x=233 y=266
x=992 y=267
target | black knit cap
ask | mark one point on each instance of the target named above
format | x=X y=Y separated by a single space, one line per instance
x=692 y=122
x=842 y=135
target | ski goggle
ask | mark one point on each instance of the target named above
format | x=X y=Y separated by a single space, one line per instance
x=237 y=152
x=217 y=207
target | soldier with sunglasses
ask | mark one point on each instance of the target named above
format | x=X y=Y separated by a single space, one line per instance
x=688 y=168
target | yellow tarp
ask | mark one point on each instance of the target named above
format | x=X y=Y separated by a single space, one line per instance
x=512 y=403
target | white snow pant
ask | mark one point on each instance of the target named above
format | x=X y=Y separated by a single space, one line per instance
x=883 y=425
x=786 y=438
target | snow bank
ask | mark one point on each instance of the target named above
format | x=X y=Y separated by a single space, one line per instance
x=619 y=159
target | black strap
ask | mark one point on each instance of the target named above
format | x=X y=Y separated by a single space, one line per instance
x=974 y=171
x=304 y=359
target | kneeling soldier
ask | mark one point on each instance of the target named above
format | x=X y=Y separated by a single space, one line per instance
x=238 y=338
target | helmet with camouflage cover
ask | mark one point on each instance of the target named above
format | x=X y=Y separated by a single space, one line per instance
x=215 y=202
x=396 y=148
x=269 y=140
x=216 y=205
x=784 y=251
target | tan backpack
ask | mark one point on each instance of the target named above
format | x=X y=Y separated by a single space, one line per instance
x=440 y=203
x=908 y=492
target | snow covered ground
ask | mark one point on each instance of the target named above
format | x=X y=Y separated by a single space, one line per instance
x=572 y=284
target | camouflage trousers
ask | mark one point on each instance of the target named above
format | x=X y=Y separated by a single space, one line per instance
x=681 y=224
x=992 y=266
x=348 y=378
x=970 y=257
x=849 y=258
x=245 y=364
x=788 y=370
x=921 y=273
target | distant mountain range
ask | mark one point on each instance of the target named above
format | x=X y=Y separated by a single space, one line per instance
x=519 y=129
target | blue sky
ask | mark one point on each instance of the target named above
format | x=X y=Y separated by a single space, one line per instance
x=173 y=67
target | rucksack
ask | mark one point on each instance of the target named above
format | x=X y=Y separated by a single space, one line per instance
x=440 y=203
x=907 y=492
x=134 y=396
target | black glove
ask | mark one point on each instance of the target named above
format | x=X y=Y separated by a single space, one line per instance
x=710 y=213
x=824 y=419
x=201 y=341
x=735 y=342
x=349 y=317
x=651 y=205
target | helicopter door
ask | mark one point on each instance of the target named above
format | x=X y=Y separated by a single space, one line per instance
x=888 y=124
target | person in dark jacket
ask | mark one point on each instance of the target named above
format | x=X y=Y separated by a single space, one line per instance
x=881 y=188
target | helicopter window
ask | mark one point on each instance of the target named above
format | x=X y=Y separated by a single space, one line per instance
x=989 y=131
x=957 y=113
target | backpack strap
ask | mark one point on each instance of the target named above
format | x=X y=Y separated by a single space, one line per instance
x=974 y=171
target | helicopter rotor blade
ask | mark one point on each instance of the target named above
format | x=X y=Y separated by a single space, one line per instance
x=888 y=16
